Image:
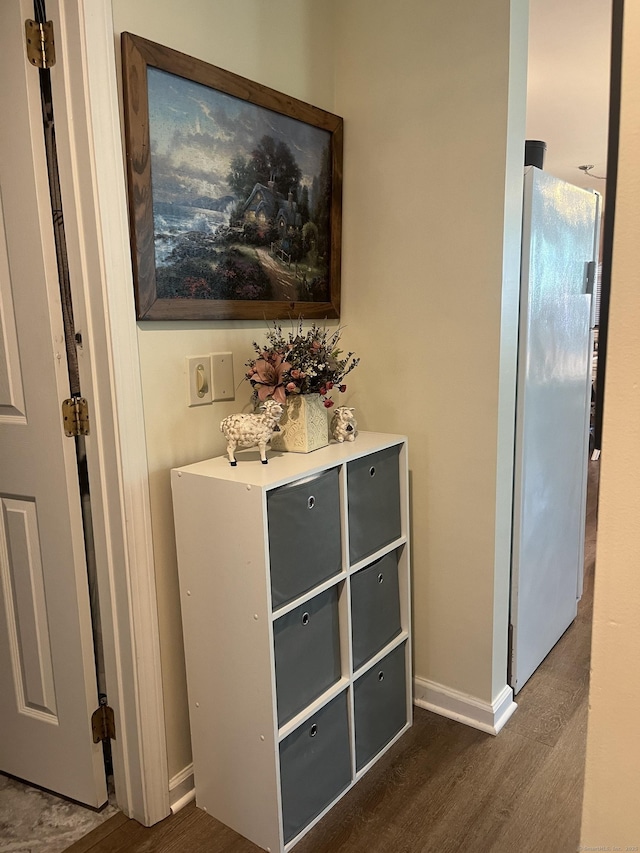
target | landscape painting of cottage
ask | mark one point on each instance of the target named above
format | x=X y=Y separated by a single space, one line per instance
x=234 y=193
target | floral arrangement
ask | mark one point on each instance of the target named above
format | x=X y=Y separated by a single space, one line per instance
x=308 y=362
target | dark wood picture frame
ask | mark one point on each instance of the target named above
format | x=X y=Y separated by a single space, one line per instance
x=316 y=297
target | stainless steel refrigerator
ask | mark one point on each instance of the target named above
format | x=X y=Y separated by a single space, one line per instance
x=559 y=254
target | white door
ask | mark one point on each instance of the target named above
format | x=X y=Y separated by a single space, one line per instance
x=554 y=369
x=48 y=684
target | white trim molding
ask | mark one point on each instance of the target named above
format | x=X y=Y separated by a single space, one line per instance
x=94 y=193
x=182 y=789
x=465 y=709
x=134 y=590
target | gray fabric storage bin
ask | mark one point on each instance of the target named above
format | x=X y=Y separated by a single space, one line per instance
x=305 y=545
x=380 y=705
x=373 y=488
x=315 y=766
x=375 y=607
x=307 y=653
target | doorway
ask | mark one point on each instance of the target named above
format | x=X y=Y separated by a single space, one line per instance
x=568 y=115
x=115 y=449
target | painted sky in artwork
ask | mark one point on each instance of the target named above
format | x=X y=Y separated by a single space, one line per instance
x=196 y=131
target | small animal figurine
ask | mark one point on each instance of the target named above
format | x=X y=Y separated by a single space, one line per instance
x=344 y=426
x=249 y=430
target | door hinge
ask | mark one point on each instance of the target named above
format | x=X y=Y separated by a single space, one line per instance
x=103 y=722
x=75 y=416
x=41 y=50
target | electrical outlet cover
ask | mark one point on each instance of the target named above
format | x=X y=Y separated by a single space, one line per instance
x=222 y=375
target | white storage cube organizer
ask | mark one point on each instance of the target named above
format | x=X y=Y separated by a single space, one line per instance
x=294 y=586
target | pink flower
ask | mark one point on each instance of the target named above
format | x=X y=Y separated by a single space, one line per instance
x=268 y=376
x=328 y=404
x=329 y=386
x=343 y=388
x=292 y=386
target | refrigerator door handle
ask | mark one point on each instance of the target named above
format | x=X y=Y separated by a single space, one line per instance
x=591 y=277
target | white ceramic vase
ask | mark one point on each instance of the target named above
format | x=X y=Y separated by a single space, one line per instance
x=303 y=426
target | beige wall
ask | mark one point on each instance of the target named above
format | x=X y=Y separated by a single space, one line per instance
x=288 y=46
x=424 y=89
x=432 y=162
x=611 y=819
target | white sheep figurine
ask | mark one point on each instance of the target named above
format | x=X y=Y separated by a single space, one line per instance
x=343 y=424
x=249 y=430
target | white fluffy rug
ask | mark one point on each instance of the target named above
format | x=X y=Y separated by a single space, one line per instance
x=33 y=821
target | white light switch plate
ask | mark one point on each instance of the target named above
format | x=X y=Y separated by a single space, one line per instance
x=222 y=376
x=198 y=380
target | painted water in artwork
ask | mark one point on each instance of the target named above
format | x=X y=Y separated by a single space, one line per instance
x=241 y=197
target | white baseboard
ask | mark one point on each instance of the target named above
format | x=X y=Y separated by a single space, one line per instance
x=181 y=789
x=464 y=708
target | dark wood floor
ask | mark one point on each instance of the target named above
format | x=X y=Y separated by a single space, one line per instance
x=443 y=787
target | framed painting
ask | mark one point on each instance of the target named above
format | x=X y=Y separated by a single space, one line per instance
x=234 y=193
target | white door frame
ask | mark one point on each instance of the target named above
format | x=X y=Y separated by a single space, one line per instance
x=93 y=187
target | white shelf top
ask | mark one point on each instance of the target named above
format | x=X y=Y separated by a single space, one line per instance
x=285 y=466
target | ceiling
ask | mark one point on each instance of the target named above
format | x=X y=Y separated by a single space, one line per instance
x=568 y=86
